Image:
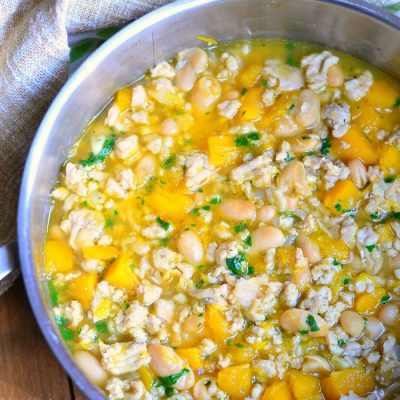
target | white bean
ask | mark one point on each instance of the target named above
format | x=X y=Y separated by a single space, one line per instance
x=352 y=323
x=296 y=319
x=335 y=76
x=205 y=93
x=236 y=209
x=267 y=237
x=310 y=249
x=358 y=172
x=389 y=314
x=91 y=367
x=190 y=246
x=303 y=143
x=307 y=108
x=200 y=390
x=374 y=328
x=145 y=167
x=314 y=363
x=293 y=179
x=286 y=126
x=164 y=361
x=185 y=78
x=266 y=213
x=169 y=127
x=198 y=60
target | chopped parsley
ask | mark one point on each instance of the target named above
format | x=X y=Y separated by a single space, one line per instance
x=101 y=326
x=247 y=140
x=164 y=241
x=289 y=157
x=195 y=211
x=382 y=218
x=375 y=216
x=303 y=331
x=346 y=281
x=247 y=242
x=292 y=107
x=336 y=262
x=164 y=224
x=397 y=102
x=244 y=91
x=264 y=83
x=325 y=147
x=52 y=293
x=169 y=162
x=199 y=284
x=108 y=145
x=207 y=382
x=170 y=380
x=290 y=214
x=291 y=60
x=306 y=137
x=240 y=227
x=206 y=208
x=237 y=265
x=341 y=342
x=290 y=45
x=84 y=203
x=385 y=299
x=215 y=200
x=312 y=323
x=370 y=248
x=66 y=333
x=338 y=207
x=109 y=222
x=390 y=179
x=239 y=345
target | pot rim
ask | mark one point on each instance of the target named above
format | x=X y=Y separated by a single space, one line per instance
x=26 y=252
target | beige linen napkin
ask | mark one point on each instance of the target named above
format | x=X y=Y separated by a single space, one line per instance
x=34 y=58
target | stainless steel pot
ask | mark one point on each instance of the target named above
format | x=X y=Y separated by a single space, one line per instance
x=352 y=26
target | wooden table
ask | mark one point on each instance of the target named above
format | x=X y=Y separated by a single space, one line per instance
x=28 y=369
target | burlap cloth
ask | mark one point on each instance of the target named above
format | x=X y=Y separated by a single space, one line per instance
x=34 y=60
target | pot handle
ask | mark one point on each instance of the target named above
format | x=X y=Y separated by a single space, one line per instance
x=9 y=270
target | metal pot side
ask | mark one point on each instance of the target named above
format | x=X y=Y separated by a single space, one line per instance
x=352 y=26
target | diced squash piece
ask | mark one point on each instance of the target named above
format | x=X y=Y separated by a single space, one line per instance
x=82 y=288
x=339 y=383
x=382 y=95
x=99 y=252
x=285 y=256
x=280 y=107
x=389 y=160
x=120 y=273
x=342 y=197
x=278 y=391
x=192 y=355
x=330 y=247
x=354 y=144
x=242 y=354
x=169 y=204
x=366 y=116
x=236 y=380
x=102 y=310
x=252 y=106
x=304 y=386
x=216 y=322
x=146 y=376
x=249 y=76
x=222 y=150
x=58 y=257
x=366 y=303
x=123 y=98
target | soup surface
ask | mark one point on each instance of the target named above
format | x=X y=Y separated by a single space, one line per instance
x=229 y=228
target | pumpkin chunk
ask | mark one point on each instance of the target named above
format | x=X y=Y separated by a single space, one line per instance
x=236 y=381
x=120 y=273
x=58 y=257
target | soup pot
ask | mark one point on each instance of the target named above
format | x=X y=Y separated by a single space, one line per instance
x=351 y=26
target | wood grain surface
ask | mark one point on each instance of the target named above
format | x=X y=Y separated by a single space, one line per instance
x=28 y=369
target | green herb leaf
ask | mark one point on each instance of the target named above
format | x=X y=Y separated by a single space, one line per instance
x=109 y=222
x=164 y=224
x=164 y=241
x=397 y=102
x=375 y=216
x=341 y=342
x=195 y=211
x=240 y=227
x=389 y=179
x=215 y=200
x=338 y=207
x=248 y=242
x=52 y=293
x=206 y=208
x=244 y=91
x=385 y=299
x=169 y=162
x=290 y=45
x=289 y=157
x=336 y=262
x=237 y=265
x=264 y=83
x=247 y=140
x=292 y=106
x=170 y=380
x=207 y=383
x=370 y=248
x=312 y=323
x=239 y=345
x=346 y=281
x=303 y=331
x=66 y=333
x=101 y=326
x=325 y=147
x=291 y=60
x=108 y=145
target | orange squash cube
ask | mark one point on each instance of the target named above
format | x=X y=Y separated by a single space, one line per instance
x=389 y=160
x=241 y=355
x=120 y=273
x=216 y=323
x=123 y=98
x=222 y=150
x=252 y=106
x=343 y=382
x=82 y=288
x=146 y=376
x=354 y=144
x=58 y=257
x=343 y=196
x=382 y=95
x=249 y=76
x=304 y=386
x=366 y=116
x=192 y=355
x=366 y=303
x=170 y=204
x=236 y=381
x=330 y=247
x=99 y=252
x=278 y=391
